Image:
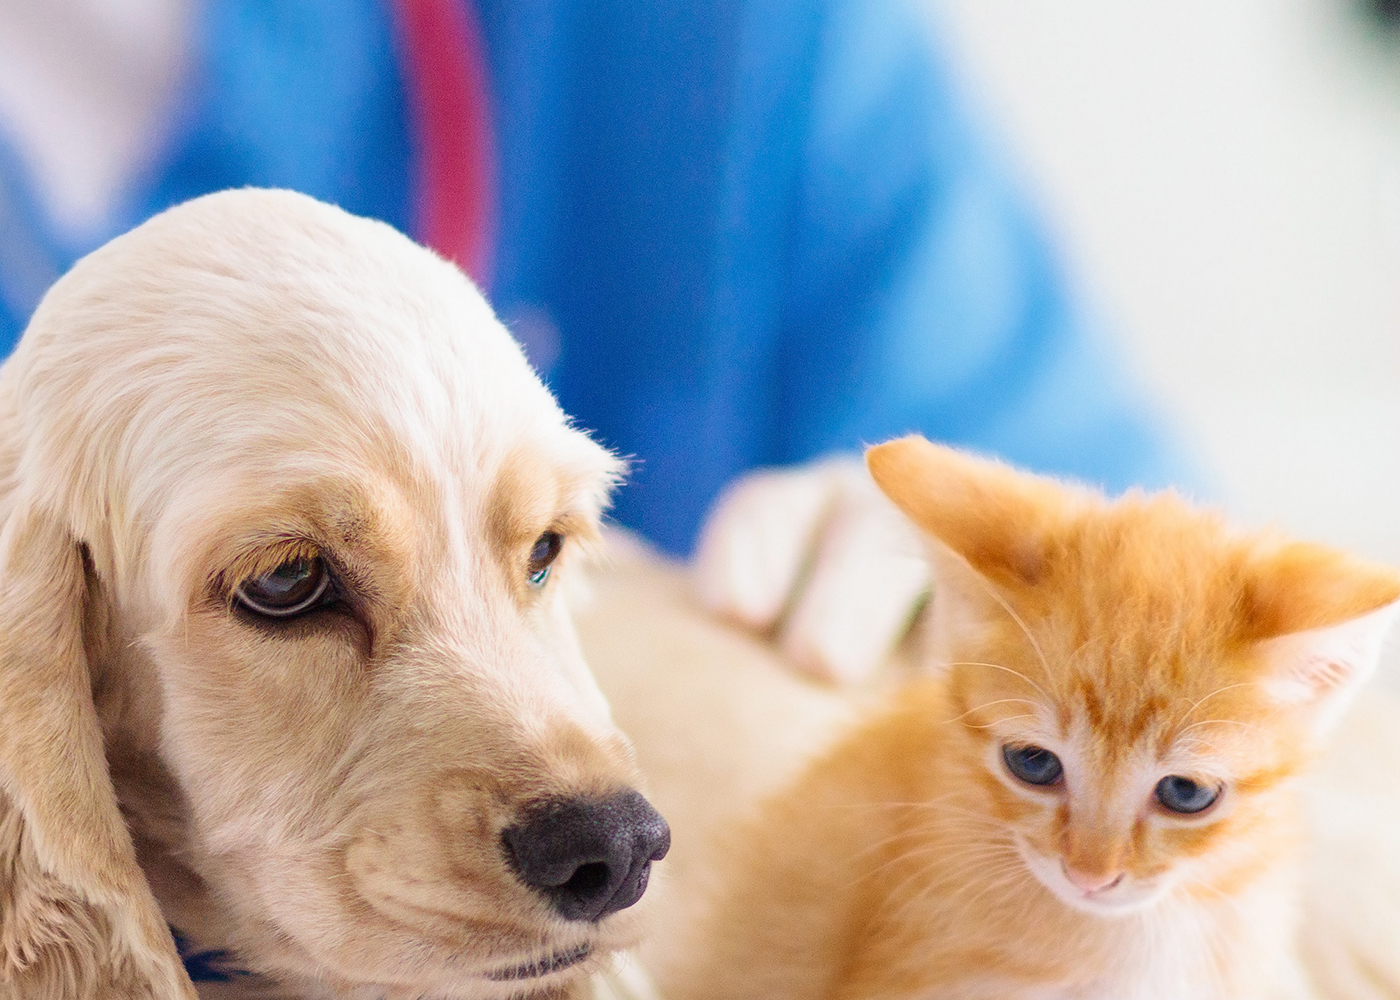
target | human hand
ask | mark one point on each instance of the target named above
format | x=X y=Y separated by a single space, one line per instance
x=816 y=555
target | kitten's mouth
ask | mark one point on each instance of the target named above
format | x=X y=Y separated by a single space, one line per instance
x=536 y=968
x=1105 y=904
x=1113 y=901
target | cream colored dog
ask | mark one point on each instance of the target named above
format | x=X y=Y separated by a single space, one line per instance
x=282 y=662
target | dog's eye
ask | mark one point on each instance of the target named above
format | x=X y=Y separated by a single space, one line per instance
x=297 y=585
x=542 y=556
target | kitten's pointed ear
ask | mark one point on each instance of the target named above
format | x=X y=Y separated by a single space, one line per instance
x=78 y=917
x=1320 y=618
x=996 y=518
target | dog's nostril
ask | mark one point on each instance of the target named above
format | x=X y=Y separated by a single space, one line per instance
x=588 y=857
x=589 y=880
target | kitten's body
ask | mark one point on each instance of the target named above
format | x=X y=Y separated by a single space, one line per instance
x=875 y=876
x=1141 y=642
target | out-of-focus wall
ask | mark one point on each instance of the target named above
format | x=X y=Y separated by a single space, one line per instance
x=1225 y=178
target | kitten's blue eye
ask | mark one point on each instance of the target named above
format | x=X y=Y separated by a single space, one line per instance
x=542 y=556
x=1182 y=795
x=1033 y=765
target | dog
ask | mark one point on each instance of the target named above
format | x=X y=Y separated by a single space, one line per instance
x=285 y=659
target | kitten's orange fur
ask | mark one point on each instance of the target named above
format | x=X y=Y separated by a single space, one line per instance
x=1135 y=639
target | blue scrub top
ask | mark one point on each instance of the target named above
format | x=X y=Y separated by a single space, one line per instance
x=762 y=230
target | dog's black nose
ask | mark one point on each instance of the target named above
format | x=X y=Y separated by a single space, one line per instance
x=589 y=857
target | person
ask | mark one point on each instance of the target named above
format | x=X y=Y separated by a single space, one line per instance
x=732 y=234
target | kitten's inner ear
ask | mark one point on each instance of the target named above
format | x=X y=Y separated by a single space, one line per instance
x=997 y=519
x=1320 y=619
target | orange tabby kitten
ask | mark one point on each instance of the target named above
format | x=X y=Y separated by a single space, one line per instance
x=1090 y=794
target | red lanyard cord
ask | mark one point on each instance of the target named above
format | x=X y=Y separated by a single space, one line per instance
x=454 y=170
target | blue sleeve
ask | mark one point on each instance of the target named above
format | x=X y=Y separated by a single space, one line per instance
x=922 y=294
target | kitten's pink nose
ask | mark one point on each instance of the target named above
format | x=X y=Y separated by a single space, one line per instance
x=1088 y=883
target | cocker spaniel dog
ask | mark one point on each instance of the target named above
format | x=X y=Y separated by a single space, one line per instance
x=284 y=659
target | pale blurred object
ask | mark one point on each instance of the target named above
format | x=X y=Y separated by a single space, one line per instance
x=623 y=979
x=818 y=554
x=86 y=87
x=1354 y=951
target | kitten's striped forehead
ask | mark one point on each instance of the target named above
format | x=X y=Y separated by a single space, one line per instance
x=1137 y=616
x=1131 y=635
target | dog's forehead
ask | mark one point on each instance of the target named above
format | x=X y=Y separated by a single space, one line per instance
x=250 y=325
x=284 y=302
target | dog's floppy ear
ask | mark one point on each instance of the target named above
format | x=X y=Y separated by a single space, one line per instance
x=77 y=918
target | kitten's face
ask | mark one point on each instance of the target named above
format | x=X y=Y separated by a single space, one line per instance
x=1133 y=685
x=1120 y=779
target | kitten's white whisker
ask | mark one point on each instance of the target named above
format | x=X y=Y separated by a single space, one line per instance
x=989 y=704
x=998 y=666
x=1218 y=691
x=969 y=853
x=1009 y=875
x=1006 y=606
x=970 y=837
x=903 y=835
x=903 y=804
x=1009 y=718
x=1222 y=722
x=998 y=875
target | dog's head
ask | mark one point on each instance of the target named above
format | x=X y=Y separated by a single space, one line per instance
x=321 y=513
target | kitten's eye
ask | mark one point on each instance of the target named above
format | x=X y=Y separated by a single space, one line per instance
x=1182 y=795
x=296 y=586
x=542 y=557
x=1033 y=765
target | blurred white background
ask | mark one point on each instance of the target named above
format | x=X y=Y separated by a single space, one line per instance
x=1225 y=179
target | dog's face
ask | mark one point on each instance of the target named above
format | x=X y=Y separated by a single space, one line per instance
x=328 y=514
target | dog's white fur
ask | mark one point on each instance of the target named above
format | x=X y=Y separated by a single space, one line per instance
x=248 y=375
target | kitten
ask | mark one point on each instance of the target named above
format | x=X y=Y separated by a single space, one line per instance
x=1090 y=792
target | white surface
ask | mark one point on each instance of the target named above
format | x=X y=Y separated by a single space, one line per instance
x=1226 y=180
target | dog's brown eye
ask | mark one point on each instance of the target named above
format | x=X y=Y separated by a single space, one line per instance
x=542 y=556
x=297 y=585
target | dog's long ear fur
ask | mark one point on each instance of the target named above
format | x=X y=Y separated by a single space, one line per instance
x=77 y=918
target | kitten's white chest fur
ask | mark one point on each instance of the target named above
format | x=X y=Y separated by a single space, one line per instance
x=1240 y=948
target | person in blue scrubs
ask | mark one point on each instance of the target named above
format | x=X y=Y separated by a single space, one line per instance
x=732 y=233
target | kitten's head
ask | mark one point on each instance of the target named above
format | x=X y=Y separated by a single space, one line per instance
x=1134 y=684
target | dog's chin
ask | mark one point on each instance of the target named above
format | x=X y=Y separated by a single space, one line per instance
x=543 y=972
x=527 y=975
x=546 y=969
x=398 y=959
x=544 y=966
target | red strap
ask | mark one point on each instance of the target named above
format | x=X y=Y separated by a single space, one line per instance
x=454 y=171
